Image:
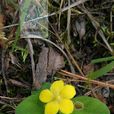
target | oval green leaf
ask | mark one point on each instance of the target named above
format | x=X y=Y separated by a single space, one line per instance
x=32 y=104
x=91 y=106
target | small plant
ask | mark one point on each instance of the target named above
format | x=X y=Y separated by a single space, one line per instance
x=58 y=99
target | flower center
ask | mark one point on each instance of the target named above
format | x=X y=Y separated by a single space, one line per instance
x=57 y=98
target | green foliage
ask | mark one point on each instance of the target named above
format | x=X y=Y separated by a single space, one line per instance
x=102 y=71
x=16 y=39
x=91 y=106
x=105 y=59
x=24 y=9
x=32 y=105
x=24 y=52
x=15 y=47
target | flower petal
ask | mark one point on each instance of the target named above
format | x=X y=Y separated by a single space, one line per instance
x=66 y=106
x=46 y=96
x=68 y=92
x=57 y=86
x=51 y=108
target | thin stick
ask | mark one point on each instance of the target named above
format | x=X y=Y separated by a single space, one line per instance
x=3 y=69
x=9 y=98
x=36 y=83
x=74 y=61
x=75 y=76
x=68 y=23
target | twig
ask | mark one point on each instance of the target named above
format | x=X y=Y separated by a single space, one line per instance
x=3 y=103
x=111 y=16
x=68 y=23
x=89 y=92
x=74 y=61
x=12 y=25
x=19 y=84
x=9 y=98
x=59 y=22
x=3 y=69
x=36 y=83
x=75 y=76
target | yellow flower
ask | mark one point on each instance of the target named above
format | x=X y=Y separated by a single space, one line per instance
x=58 y=98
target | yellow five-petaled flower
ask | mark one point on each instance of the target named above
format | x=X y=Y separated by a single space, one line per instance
x=58 y=98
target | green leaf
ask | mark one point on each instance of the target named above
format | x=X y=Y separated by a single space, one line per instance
x=105 y=59
x=32 y=104
x=102 y=71
x=16 y=38
x=91 y=106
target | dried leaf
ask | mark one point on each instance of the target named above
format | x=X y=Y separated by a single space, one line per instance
x=41 y=68
x=49 y=62
x=80 y=26
x=56 y=61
